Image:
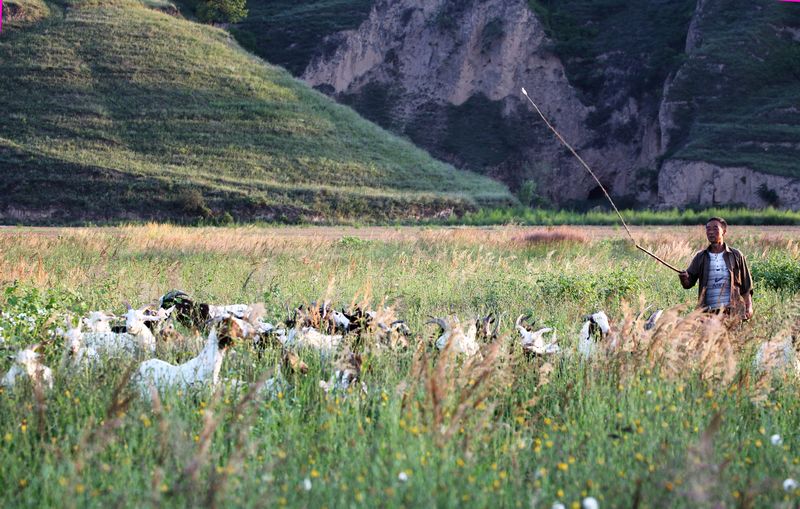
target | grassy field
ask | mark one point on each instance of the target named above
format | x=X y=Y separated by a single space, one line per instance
x=116 y=111
x=653 y=425
x=543 y=217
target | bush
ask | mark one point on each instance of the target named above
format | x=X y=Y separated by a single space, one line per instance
x=779 y=273
x=222 y=11
x=768 y=195
x=589 y=288
x=192 y=202
x=350 y=241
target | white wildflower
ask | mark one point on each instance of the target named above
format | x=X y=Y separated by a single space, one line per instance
x=558 y=505
x=776 y=439
x=789 y=485
x=590 y=503
x=307 y=484
x=402 y=477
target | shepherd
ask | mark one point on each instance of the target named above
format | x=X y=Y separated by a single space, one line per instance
x=722 y=272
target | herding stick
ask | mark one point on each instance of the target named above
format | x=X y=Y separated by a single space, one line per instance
x=624 y=225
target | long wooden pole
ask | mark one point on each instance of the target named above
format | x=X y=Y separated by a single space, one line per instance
x=624 y=225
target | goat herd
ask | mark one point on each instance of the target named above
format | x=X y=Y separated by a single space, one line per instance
x=313 y=328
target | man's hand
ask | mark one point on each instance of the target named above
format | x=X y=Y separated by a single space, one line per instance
x=684 y=277
x=748 y=306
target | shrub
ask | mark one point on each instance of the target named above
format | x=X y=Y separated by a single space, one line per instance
x=556 y=235
x=222 y=11
x=192 y=202
x=780 y=273
x=590 y=289
x=768 y=195
x=350 y=241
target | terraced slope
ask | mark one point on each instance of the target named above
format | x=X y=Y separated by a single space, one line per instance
x=113 y=110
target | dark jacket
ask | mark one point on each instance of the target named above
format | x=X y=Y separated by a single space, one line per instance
x=741 y=280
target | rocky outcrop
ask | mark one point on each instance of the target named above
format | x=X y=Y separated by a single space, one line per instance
x=682 y=183
x=449 y=75
x=446 y=52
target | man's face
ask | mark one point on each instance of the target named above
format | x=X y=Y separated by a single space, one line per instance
x=715 y=232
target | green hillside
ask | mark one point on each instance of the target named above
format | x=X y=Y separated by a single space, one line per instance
x=742 y=88
x=114 y=111
x=737 y=92
x=289 y=33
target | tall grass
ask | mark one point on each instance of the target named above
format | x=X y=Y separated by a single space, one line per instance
x=545 y=217
x=648 y=422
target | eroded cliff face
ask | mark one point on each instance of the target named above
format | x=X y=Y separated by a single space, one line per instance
x=699 y=183
x=447 y=74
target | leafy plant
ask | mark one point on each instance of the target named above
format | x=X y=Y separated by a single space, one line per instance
x=221 y=11
x=780 y=273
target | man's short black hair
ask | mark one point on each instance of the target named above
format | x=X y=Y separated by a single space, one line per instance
x=720 y=220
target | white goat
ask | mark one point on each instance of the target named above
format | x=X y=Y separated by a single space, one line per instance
x=75 y=350
x=451 y=331
x=777 y=355
x=137 y=338
x=311 y=338
x=345 y=376
x=200 y=370
x=216 y=313
x=340 y=321
x=28 y=363
x=595 y=325
x=97 y=321
x=533 y=342
x=191 y=314
x=653 y=320
x=290 y=364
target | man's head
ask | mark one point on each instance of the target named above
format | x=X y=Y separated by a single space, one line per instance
x=716 y=227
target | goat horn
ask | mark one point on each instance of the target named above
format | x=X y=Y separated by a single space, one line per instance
x=438 y=321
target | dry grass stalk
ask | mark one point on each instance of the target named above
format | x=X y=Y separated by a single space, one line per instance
x=705 y=343
x=545 y=371
x=556 y=235
x=455 y=392
x=238 y=434
x=24 y=269
x=704 y=481
x=97 y=438
x=187 y=482
x=779 y=359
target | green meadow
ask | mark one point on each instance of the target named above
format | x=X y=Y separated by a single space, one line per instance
x=675 y=417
